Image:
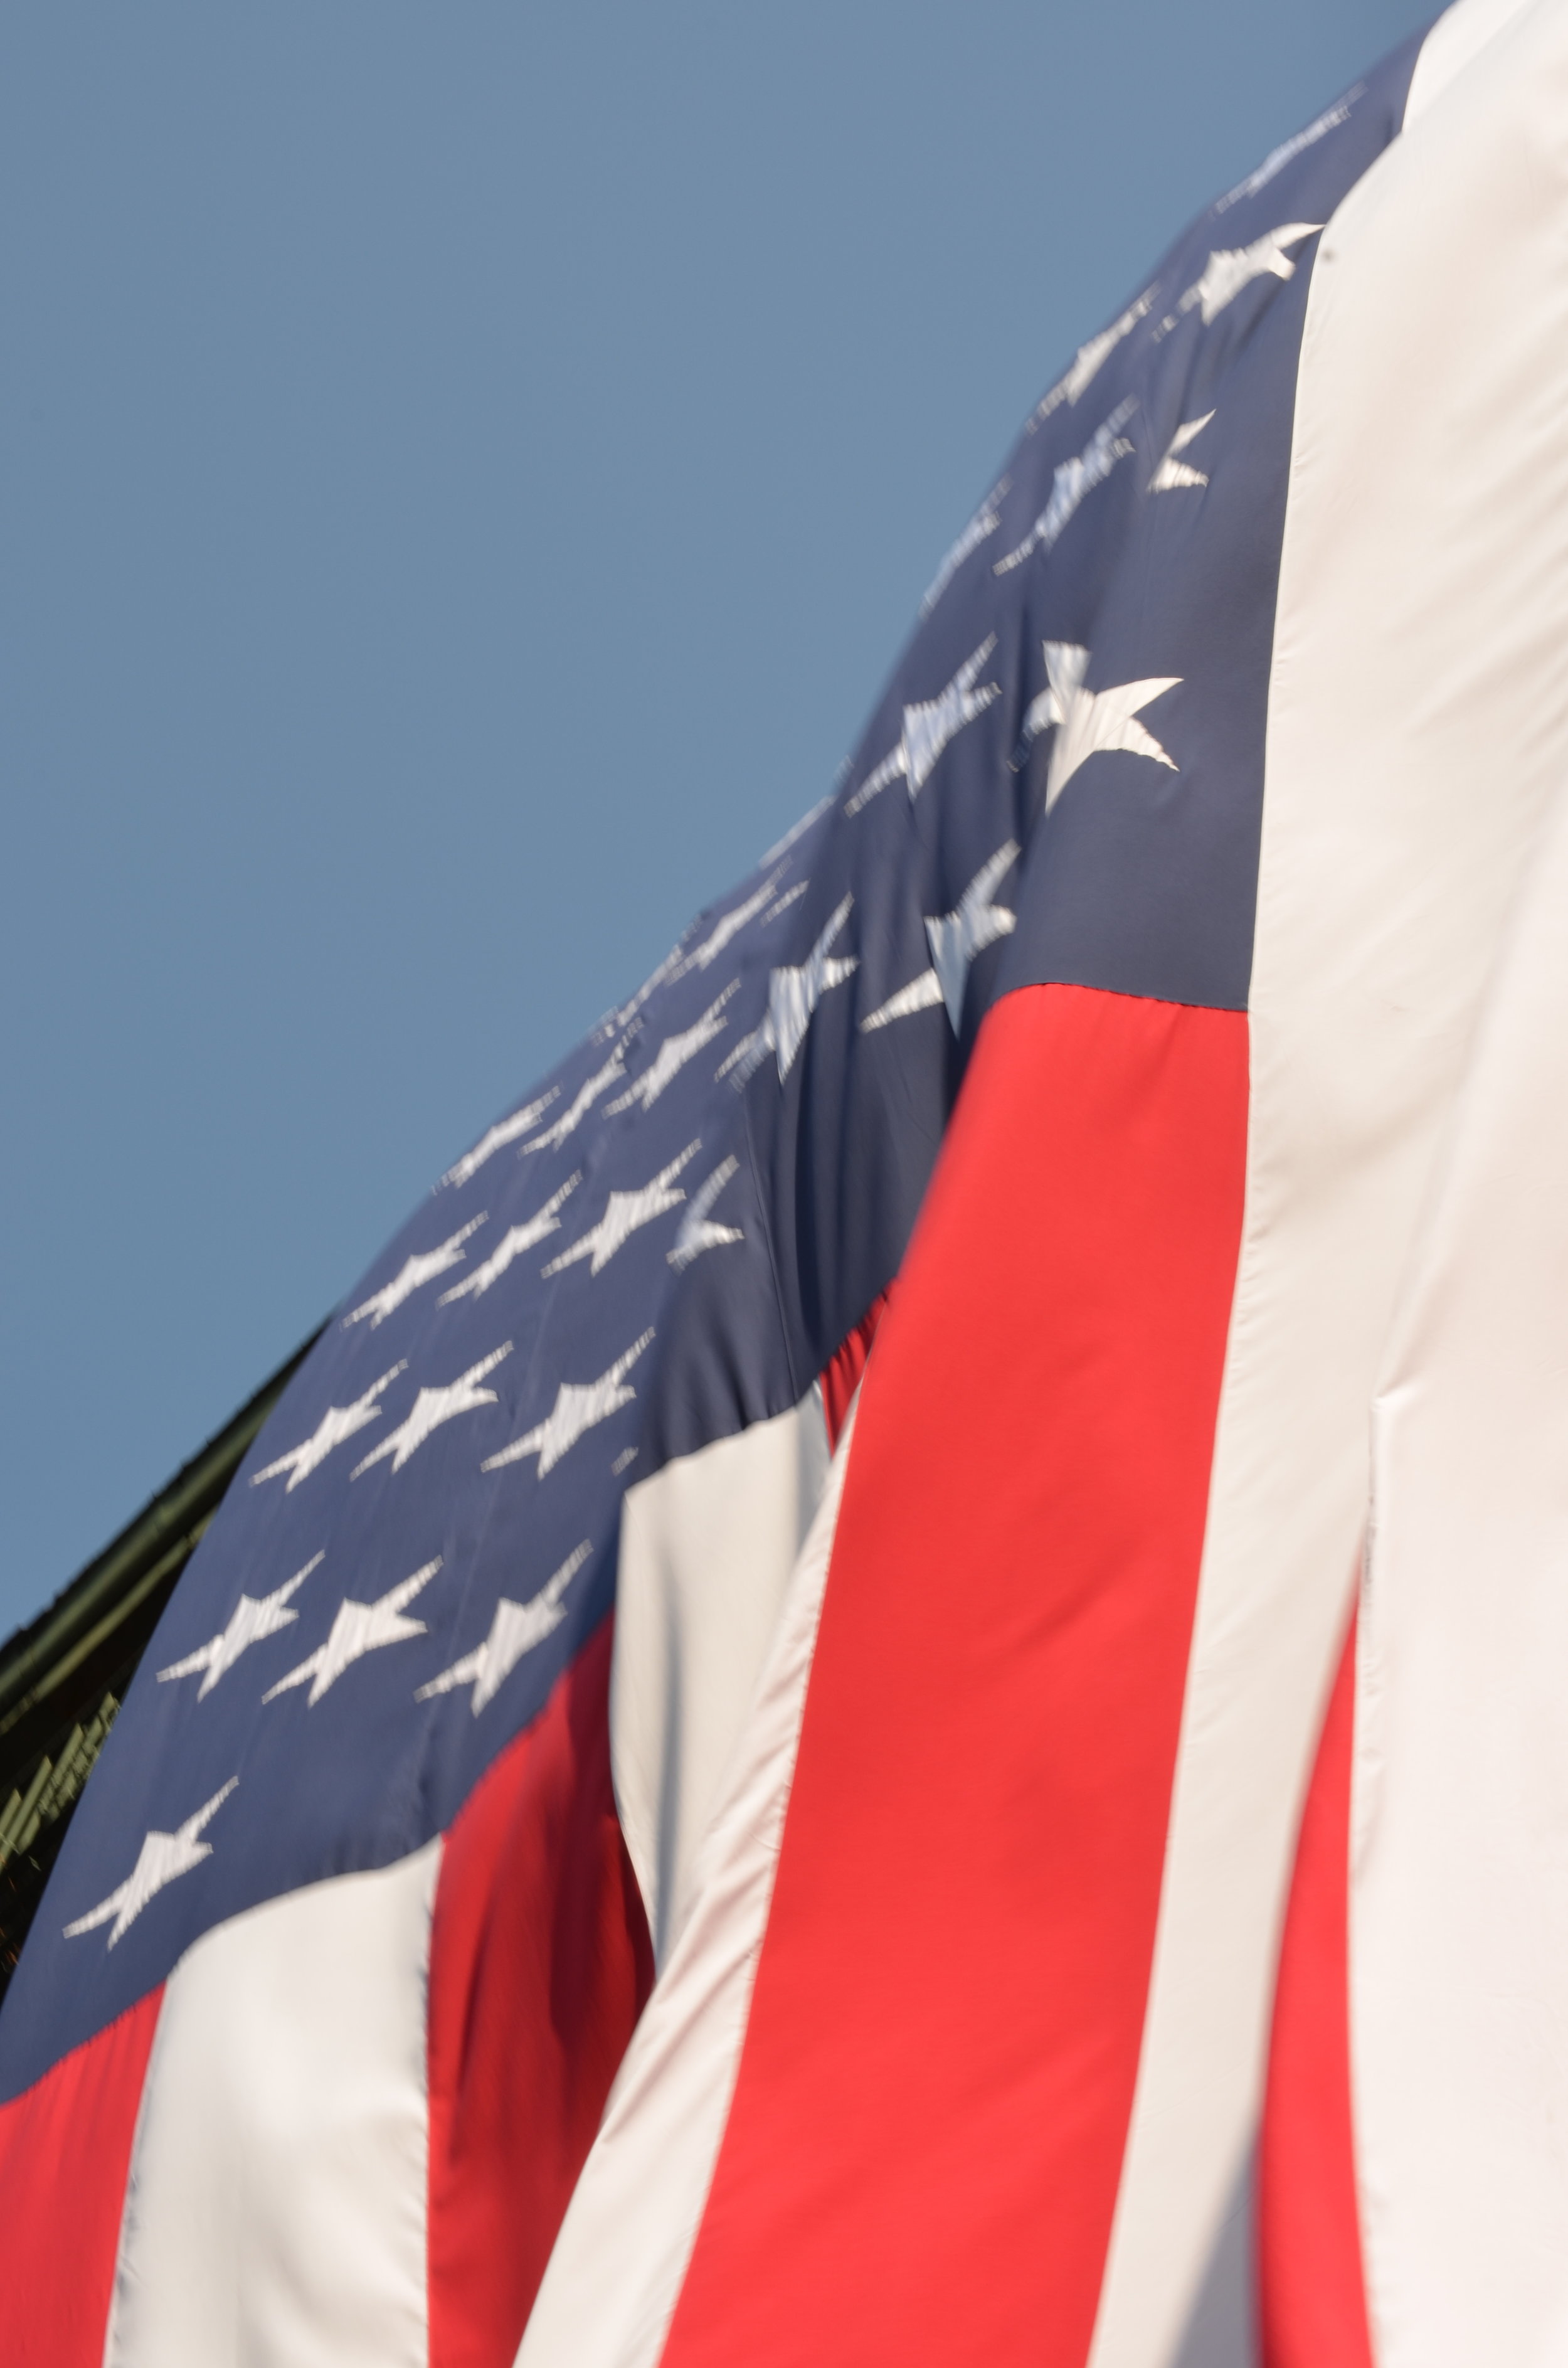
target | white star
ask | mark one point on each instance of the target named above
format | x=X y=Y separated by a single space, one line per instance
x=357 y=1629
x=336 y=1424
x=1231 y=268
x=515 y=1630
x=587 y=1094
x=796 y=830
x=1086 y=363
x=624 y=1213
x=792 y=997
x=1288 y=150
x=790 y=897
x=431 y=1409
x=673 y=1055
x=1174 y=475
x=161 y=1858
x=579 y=1406
x=956 y=938
x=697 y=1233
x=507 y=1131
x=922 y=994
x=613 y=1020
x=1090 y=720
x=252 y=1617
x=1073 y=480
x=729 y=926
x=981 y=526
x=928 y=728
x=423 y=1267
x=512 y=1245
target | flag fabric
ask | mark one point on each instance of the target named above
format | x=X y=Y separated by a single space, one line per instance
x=725 y=1782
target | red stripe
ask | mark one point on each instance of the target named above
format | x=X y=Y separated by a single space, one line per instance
x=539 y=1966
x=64 y=2158
x=922 y=2157
x=841 y=1375
x=1314 y=2297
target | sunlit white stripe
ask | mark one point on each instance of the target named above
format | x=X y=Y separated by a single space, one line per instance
x=276 y=2208
x=1421 y=603
x=1460 y=1899
x=617 y=2269
x=1459 y=36
x=1458 y=1923
x=707 y=1547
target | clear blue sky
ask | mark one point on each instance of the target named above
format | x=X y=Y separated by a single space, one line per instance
x=463 y=474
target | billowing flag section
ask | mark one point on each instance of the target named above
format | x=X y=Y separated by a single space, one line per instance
x=732 y=1779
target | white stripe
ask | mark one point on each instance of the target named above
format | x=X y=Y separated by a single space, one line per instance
x=1420 y=587
x=276 y=2210
x=616 y=2272
x=706 y=1546
x=1460 y=1898
x=1459 y=36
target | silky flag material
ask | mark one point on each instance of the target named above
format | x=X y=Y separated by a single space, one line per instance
x=728 y=1780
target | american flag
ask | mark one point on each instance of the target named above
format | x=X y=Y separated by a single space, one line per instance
x=724 y=1783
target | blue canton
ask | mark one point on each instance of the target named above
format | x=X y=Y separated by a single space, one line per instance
x=671 y=1235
